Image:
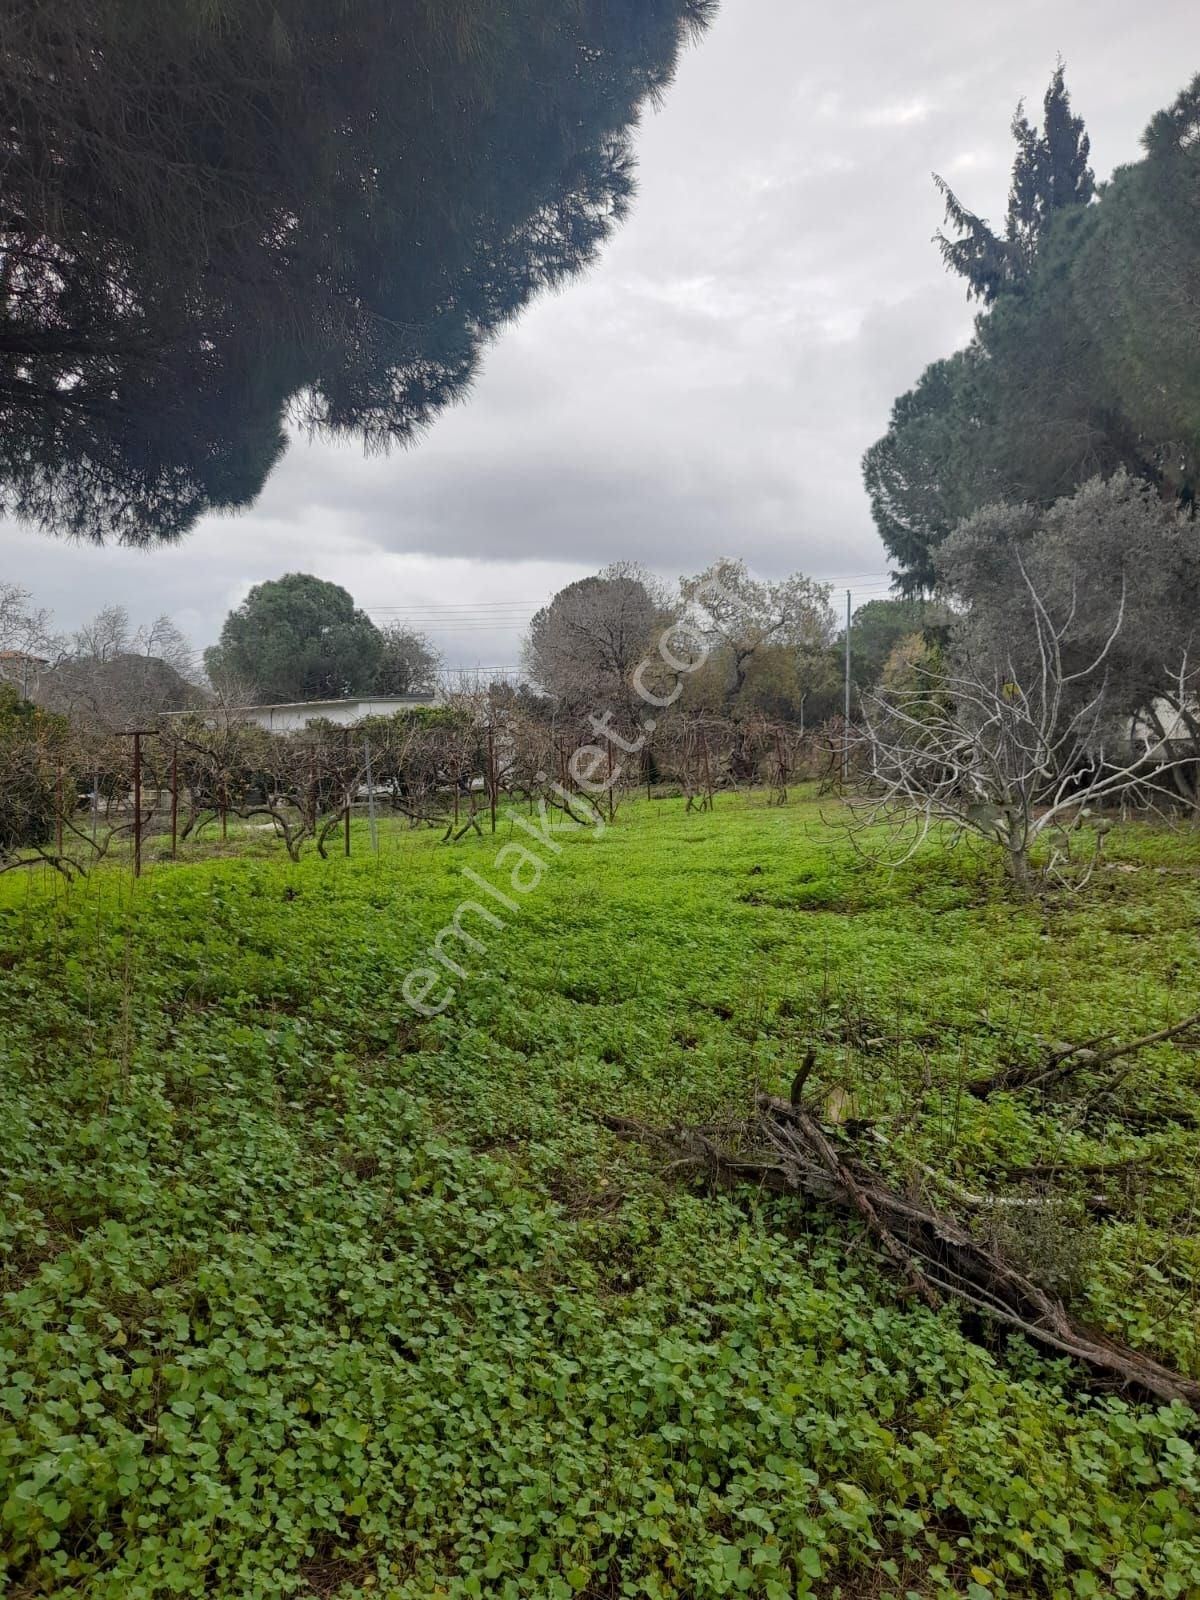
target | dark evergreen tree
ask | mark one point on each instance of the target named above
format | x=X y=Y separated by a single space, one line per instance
x=1136 y=284
x=297 y=638
x=923 y=475
x=1088 y=371
x=217 y=217
x=1050 y=174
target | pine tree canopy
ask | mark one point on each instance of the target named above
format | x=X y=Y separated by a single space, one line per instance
x=220 y=217
x=297 y=638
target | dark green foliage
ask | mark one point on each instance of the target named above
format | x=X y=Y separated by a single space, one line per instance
x=921 y=475
x=1136 y=284
x=1050 y=174
x=32 y=744
x=879 y=625
x=302 y=1296
x=1090 y=369
x=323 y=218
x=297 y=638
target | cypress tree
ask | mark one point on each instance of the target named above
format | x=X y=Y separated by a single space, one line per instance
x=1050 y=174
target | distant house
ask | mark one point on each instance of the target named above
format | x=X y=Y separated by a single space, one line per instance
x=289 y=717
x=1166 y=731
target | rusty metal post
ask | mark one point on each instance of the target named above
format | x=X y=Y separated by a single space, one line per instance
x=137 y=805
x=492 y=784
x=371 y=798
x=58 y=810
x=346 y=759
x=137 y=735
x=174 y=801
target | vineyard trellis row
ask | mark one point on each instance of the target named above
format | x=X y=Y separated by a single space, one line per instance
x=71 y=795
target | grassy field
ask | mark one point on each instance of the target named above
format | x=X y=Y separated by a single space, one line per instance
x=305 y=1294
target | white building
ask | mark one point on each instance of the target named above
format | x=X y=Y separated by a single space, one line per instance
x=291 y=716
x=1166 y=731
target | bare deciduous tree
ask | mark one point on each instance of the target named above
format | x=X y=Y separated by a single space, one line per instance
x=115 y=677
x=107 y=635
x=409 y=663
x=1013 y=753
x=164 y=640
x=585 y=646
x=27 y=645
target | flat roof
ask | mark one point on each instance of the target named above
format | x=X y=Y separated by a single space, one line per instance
x=352 y=700
x=308 y=705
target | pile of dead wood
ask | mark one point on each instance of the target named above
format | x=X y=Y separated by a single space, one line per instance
x=786 y=1148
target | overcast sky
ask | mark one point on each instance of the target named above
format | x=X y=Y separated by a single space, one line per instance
x=710 y=386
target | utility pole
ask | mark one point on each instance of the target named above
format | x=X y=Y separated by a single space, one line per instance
x=493 y=778
x=846 y=710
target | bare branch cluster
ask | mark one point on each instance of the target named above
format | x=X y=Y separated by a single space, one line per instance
x=1015 y=754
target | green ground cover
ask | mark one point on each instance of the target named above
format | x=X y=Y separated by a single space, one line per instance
x=303 y=1293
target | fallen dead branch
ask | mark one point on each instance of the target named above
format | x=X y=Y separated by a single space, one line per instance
x=784 y=1148
x=1035 y=1170
x=1063 y=1060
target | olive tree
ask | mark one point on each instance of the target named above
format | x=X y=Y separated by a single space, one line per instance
x=746 y=622
x=1015 y=746
x=1112 y=545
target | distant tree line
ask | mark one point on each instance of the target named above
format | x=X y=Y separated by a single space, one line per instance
x=296 y=638
x=768 y=648
x=108 y=672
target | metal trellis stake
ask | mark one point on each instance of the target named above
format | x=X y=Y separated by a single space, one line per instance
x=137 y=735
x=371 y=798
